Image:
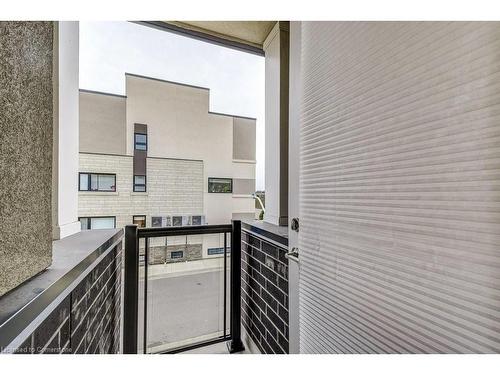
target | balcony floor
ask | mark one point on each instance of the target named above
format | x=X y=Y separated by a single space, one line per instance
x=219 y=348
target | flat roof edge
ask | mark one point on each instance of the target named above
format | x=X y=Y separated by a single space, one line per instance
x=230 y=115
x=167 y=81
x=102 y=93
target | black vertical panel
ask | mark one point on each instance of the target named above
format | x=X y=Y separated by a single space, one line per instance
x=131 y=284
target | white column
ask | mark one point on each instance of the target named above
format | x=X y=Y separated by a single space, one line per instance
x=276 y=166
x=66 y=119
x=293 y=181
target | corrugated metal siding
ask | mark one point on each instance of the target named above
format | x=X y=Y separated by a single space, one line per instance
x=400 y=187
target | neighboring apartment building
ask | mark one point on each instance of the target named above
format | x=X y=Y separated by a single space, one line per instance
x=159 y=157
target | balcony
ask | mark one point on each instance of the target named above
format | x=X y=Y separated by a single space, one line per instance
x=381 y=137
x=113 y=300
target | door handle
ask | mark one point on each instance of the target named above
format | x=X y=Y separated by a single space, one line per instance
x=293 y=255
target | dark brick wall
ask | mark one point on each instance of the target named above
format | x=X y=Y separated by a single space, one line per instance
x=264 y=293
x=88 y=319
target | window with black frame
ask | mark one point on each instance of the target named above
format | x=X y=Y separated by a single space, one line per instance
x=140 y=183
x=176 y=254
x=105 y=222
x=220 y=185
x=97 y=182
x=217 y=250
x=141 y=141
x=140 y=220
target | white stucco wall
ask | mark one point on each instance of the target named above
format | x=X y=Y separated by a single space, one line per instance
x=272 y=89
x=180 y=126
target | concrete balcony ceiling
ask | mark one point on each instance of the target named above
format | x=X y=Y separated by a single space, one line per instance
x=244 y=35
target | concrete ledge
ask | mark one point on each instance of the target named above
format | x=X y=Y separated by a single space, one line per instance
x=268 y=231
x=93 y=193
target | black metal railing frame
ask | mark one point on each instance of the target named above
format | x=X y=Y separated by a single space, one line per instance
x=131 y=282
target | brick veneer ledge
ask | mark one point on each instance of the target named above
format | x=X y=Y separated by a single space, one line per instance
x=78 y=308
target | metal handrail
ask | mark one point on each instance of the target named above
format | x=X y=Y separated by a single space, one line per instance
x=131 y=282
x=183 y=231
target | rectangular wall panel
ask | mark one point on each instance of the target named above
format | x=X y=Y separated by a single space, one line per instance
x=400 y=187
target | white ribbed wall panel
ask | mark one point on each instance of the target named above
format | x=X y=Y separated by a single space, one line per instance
x=400 y=187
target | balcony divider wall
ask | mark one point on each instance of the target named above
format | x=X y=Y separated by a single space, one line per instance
x=80 y=312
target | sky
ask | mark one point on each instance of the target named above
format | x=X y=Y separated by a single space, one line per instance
x=235 y=79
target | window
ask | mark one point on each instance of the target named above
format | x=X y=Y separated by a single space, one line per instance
x=161 y=221
x=217 y=250
x=177 y=221
x=97 y=182
x=141 y=141
x=156 y=221
x=140 y=183
x=87 y=223
x=176 y=254
x=220 y=185
x=140 y=220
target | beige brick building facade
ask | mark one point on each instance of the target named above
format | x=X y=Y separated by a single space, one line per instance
x=175 y=187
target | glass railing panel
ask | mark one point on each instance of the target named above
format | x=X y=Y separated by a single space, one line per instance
x=187 y=291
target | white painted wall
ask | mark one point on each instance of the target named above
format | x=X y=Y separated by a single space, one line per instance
x=66 y=107
x=272 y=170
x=244 y=169
x=180 y=126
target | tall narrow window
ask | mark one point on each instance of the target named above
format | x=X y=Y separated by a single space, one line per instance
x=140 y=183
x=141 y=141
x=97 y=182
